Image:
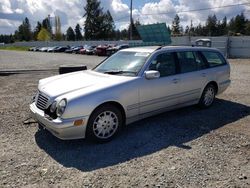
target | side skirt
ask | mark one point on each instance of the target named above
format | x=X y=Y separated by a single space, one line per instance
x=159 y=111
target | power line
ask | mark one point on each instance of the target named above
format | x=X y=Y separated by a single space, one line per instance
x=184 y=11
x=201 y=9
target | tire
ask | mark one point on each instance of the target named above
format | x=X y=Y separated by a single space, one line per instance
x=208 y=96
x=100 y=128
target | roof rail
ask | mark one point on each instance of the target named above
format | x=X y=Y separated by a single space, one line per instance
x=160 y=47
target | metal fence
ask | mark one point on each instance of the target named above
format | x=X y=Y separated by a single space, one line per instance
x=232 y=47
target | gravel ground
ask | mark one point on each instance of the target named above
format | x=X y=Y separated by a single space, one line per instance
x=189 y=147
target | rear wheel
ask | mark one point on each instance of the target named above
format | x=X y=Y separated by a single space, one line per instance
x=104 y=123
x=208 y=96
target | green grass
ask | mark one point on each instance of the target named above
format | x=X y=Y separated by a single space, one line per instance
x=17 y=48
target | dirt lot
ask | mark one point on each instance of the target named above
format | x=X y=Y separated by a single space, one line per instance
x=189 y=147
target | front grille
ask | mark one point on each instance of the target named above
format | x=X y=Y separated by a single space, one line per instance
x=42 y=101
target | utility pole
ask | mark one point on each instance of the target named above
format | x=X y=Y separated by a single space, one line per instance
x=131 y=20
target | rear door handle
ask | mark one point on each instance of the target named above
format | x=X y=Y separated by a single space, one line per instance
x=176 y=80
x=203 y=74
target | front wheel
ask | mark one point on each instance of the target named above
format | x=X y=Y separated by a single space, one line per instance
x=208 y=96
x=104 y=123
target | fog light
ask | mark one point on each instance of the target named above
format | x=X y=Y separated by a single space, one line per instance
x=78 y=122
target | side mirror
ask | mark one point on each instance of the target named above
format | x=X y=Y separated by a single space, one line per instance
x=152 y=74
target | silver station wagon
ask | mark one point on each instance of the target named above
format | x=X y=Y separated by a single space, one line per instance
x=132 y=84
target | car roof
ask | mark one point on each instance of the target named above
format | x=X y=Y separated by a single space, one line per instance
x=151 y=49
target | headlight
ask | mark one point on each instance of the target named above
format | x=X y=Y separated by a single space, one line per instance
x=53 y=107
x=61 y=106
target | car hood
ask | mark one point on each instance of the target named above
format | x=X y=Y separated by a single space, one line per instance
x=88 y=80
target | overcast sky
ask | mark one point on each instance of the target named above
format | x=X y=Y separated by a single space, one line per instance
x=12 y=12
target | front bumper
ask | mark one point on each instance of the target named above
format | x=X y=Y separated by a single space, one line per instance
x=61 y=128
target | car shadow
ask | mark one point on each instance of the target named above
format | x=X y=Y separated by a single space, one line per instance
x=144 y=137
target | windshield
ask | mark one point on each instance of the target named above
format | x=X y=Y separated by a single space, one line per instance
x=125 y=63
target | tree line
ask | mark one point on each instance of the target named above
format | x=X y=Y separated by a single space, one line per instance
x=99 y=25
x=237 y=25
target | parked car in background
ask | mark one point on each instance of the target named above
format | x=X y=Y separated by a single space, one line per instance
x=43 y=49
x=61 y=49
x=83 y=50
x=101 y=50
x=37 y=49
x=52 y=49
x=32 y=48
x=77 y=49
x=70 y=50
x=90 y=50
x=114 y=49
x=130 y=85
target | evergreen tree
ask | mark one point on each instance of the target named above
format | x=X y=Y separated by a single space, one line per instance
x=70 y=34
x=23 y=32
x=248 y=28
x=37 y=30
x=176 y=29
x=6 y=39
x=223 y=30
x=238 y=24
x=94 y=19
x=200 y=30
x=78 y=32
x=187 y=30
x=124 y=34
x=98 y=25
x=118 y=35
x=47 y=25
x=27 y=30
x=212 y=25
x=108 y=26
x=169 y=30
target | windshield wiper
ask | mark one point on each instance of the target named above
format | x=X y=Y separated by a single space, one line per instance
x=118 y=72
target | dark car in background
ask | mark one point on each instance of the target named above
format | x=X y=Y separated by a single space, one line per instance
x=77 y=49
x=61 y=49
x=70 y=50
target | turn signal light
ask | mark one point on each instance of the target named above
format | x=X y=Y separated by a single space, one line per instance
x=78 y=122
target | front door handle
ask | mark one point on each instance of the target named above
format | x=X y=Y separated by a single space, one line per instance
x=176 y=80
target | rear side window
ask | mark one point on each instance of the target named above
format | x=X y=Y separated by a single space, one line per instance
x=190 y=61
x=214 y=58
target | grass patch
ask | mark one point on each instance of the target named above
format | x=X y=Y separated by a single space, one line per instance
x=17 y=48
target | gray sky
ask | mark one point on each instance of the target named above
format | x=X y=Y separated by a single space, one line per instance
x=12 y=12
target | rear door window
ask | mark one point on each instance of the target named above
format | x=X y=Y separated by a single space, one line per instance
x=213 y=58
x=190 y=61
